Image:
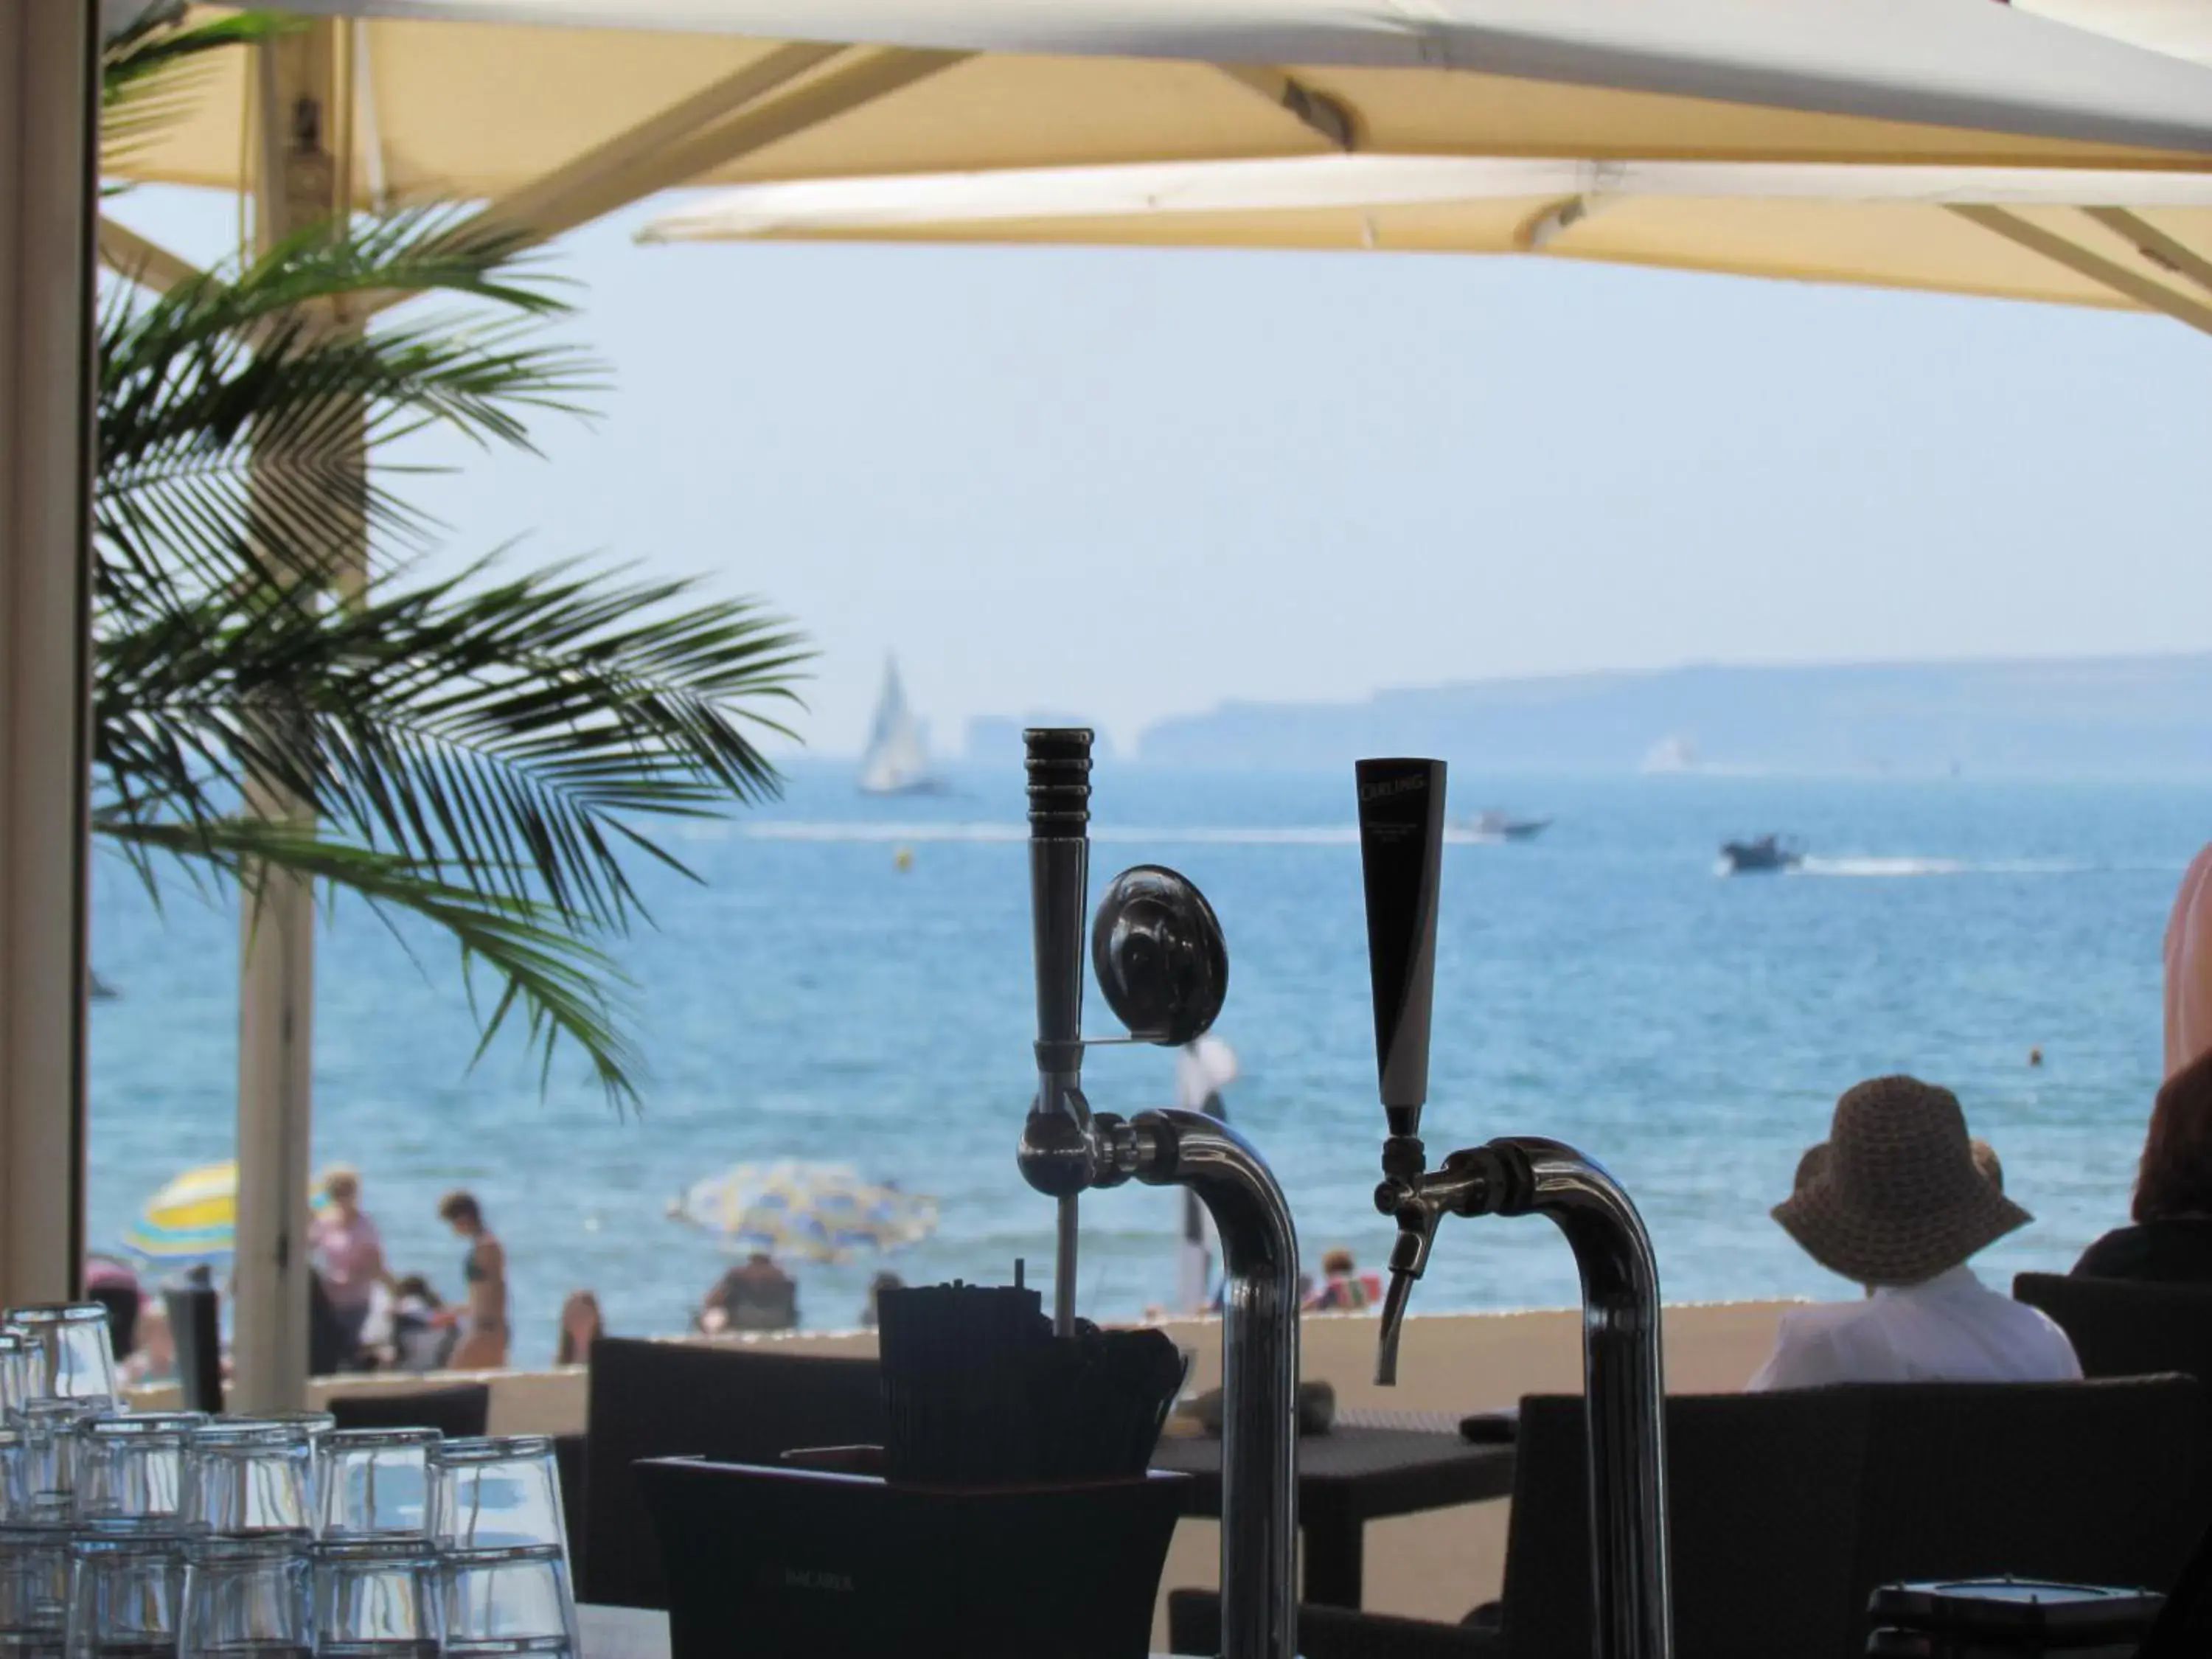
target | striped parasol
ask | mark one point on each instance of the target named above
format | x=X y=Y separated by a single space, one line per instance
x=194 y=1217
x=809 y=1212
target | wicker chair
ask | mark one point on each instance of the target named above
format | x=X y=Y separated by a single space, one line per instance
x=1787 y=1509
x=741 y=1404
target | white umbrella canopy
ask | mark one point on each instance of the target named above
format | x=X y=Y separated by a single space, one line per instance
x=2108 y=239
x=481 y=98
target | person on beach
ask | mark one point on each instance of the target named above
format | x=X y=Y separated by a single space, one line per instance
x=348 y=1258
x=581 y=1325
x=420 y=1340
x=1896 y=1200
x=1344 y=1288
x=481 y=1316
x=2188 y=950
x=2171 y=1241
x=755 y=1296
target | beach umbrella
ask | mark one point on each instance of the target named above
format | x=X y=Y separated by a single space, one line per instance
x=555 y=112
x=194 y=1216
x=2123 y=239
x=807 y=1211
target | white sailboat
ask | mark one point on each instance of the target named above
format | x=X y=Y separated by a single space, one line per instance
x=897 y=760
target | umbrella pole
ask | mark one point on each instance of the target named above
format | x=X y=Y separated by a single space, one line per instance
x=299 y=185
x=49 y=115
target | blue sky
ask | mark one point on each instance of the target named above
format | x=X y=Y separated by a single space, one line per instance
x=1126 y=483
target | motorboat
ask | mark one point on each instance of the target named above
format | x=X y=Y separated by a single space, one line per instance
x=1762 y=854
x=1492 y=825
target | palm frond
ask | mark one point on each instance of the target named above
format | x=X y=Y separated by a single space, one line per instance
x=156 y=66
x=563 y=987
x=519 y=725
x=234 y=417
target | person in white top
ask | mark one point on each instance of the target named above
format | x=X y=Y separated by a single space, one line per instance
x=1897 y=1198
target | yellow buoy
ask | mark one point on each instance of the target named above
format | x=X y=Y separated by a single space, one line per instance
x=902 y=861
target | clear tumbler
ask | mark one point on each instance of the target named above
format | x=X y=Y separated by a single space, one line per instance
x=247 y=1598
x=377 y=1599
x=34 y=1591
x=131 y=1470
x=497 y=1493
x=125 y=1595
x=71 y=1355
x=375 y=1483
x=246 y=1477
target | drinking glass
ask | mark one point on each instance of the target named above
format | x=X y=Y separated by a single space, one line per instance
x=14 y=1369
x=126 y=1593
x=247 y=1598
x=41 y=1470
x=245 y=1477
x=497 y=1603
x=131 y=1469
x=375 y=1483
x=377 y=1599
x=497 y=1493
x=71 y=1357
x=34 y=1591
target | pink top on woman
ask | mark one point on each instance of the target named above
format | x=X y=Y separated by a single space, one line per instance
x=352 y=1257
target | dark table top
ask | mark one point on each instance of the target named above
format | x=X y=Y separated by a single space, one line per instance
x=1365 y=1474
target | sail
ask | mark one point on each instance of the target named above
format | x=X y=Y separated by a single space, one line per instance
x=897 y=758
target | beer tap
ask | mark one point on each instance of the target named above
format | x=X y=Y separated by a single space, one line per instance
x=1401 y=821
x=1158 y=951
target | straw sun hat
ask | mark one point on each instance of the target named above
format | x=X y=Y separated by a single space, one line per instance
x=1898 y=1193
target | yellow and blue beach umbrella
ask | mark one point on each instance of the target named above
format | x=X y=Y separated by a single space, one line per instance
x=809 y=1212
x=194 y=1218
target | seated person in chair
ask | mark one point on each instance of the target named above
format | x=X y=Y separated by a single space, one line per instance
x=1897 y=1200
x=755 y=1296
x=2171 y=1241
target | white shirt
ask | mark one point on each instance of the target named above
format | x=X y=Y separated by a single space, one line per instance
x=1952 y=1328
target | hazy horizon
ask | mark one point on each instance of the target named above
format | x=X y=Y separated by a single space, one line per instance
x=1140 y=484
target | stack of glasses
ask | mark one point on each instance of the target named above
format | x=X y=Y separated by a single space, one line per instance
x=175 y=1535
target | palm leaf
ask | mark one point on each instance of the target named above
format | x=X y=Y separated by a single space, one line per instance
x=155 y=66
x=516 y=725
x=562 y=984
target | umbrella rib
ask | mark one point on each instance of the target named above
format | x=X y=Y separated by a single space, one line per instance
x=1316 y=111
x=548 y=201
x=2154 y=296
x=654 y=156
x=146 y=262
x=2155 y=245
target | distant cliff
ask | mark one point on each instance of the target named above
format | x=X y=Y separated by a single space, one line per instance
x=2118 y=717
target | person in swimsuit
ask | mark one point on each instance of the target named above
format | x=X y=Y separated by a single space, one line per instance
x=481 y=1316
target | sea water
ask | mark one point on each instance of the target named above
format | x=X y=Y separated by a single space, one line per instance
x=817 y=996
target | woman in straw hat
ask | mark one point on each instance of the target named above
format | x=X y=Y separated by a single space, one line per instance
x=1897 y=1200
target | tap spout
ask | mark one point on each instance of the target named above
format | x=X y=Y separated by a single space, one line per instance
x=1395 y=1299
x=1623 y=1385
x=1469 y=1182
x=1259 y=1369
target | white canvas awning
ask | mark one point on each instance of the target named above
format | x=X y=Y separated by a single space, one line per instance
x=2111 y=239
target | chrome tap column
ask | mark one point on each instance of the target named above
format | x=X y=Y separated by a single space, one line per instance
x=1402 y=807
x=1158 y=951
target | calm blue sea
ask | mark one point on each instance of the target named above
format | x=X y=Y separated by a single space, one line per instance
x=1601 y=984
